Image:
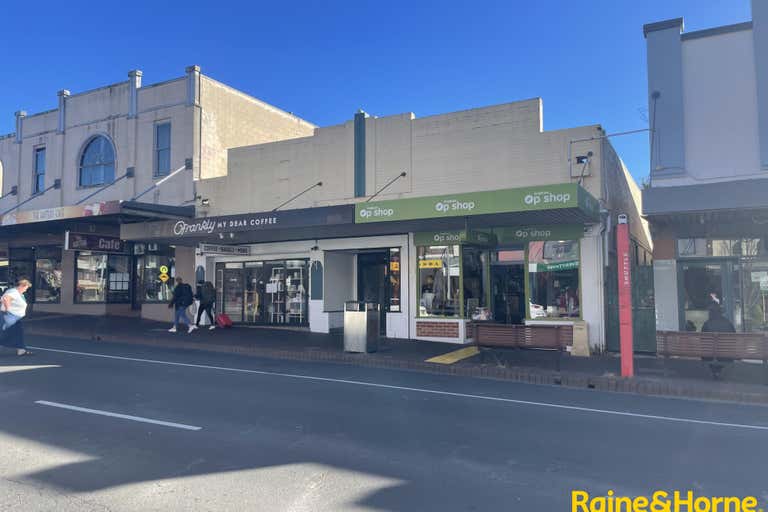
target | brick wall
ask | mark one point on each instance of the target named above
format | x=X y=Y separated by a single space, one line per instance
x=437 y=329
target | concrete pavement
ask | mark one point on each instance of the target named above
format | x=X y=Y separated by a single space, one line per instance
x=288 y=435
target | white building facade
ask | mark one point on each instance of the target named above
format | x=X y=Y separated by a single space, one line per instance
x=126 y=152
x=706 y=203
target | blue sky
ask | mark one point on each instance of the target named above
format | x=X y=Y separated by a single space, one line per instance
x=325 y=60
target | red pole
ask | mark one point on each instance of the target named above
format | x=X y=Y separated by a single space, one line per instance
x=625 y=297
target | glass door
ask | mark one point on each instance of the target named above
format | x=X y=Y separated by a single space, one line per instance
x=232 y=304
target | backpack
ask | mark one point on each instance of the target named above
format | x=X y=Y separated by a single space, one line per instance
x=207 y=293
x=185 y=296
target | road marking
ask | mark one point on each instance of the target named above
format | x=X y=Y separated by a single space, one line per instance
x=454 y=356
x=117 y=415
x=419 y=390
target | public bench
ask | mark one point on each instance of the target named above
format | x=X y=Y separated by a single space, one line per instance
x=490 y=336
x=715 y=348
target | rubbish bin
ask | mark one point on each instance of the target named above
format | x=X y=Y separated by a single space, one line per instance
x=361 y=326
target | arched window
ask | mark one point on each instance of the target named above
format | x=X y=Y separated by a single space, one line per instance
x=97 y=165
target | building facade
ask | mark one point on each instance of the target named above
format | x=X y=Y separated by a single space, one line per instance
x=479 y=215
x=707 y=200
x=122 y=153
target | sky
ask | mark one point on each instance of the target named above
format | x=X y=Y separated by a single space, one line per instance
x=324 y=60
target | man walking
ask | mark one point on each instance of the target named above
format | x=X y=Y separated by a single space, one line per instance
x=207 y=297
x=182 y=298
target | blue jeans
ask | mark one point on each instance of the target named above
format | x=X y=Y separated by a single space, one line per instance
x=9 y=319
x=181 y=314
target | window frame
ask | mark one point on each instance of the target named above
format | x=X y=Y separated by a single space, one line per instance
x=106 y=279
x=80 y=165
x=59 y=252
x=156 y=149
x=37 y=187
x=528 y=290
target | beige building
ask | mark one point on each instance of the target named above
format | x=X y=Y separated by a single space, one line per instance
x=442 y=220
x=126 y=152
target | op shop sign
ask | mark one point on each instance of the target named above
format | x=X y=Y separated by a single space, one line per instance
x=566 y=195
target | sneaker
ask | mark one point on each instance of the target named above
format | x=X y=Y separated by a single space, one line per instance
x=172 y=329
x=211 y=327
x=191 y=328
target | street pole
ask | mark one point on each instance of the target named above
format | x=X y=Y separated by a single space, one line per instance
x=625 y=298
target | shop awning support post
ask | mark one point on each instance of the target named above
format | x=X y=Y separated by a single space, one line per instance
x=56 y=185
x=187 y=165
x=128 y=174
x=626 y=343
x=318 y=184
x=401 y=175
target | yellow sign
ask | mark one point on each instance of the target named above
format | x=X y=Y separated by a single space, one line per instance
x=394 y=266
x=164 y=270
x=431 y=264
x=163 y=277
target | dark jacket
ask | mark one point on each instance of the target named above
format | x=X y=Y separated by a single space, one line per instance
x=207 y=294
x=182 y=296
x=717 y=323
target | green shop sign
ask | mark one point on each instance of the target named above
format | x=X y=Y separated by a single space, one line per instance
x=545 y=197
x=453 y=237
x=507 y=235
x=555 y=267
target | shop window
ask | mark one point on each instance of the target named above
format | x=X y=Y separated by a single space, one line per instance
x=719 y=248
x=553 y=269
x=474 y=270
x=438 y=282
x=155 y=271
x=102 y=278
x=47 y=287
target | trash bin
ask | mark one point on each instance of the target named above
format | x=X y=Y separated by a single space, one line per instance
x=361 y=326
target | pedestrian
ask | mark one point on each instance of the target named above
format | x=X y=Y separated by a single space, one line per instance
x=14 y=308
x=207 y=298
x=182 y=298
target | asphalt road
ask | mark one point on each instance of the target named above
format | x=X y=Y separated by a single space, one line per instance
x=255 y=434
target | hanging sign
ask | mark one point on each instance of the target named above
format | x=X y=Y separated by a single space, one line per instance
x=90 y=242
x=163 y=269
x=163 y=277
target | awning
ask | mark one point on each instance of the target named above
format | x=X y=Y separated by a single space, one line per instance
x=47 y=220
x=704 y=198
x=531 y=206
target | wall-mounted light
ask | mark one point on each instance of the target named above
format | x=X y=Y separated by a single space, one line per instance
x=205 y=202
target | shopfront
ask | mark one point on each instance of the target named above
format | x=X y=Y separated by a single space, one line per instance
x=514 y=257
x=78 y=263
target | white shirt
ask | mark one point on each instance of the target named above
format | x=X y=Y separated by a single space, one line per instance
x=18 y=305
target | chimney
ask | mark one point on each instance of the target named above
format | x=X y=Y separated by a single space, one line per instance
x=20 y=115
x=193 y=85
x=134 y=79
x=63 y=95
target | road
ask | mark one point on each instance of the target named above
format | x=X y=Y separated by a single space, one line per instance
x=255 y=434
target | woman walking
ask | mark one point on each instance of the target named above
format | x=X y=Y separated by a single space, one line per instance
x=14 y=308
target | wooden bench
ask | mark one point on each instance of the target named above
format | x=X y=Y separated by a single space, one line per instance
x=489 y=336
x=716 y=348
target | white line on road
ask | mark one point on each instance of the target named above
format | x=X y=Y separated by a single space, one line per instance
x=117 y=415
x=420 y=390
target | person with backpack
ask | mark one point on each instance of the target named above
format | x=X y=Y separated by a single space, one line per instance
x=207 y=298
x=182 y=298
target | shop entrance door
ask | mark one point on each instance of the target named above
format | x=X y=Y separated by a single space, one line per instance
x=508 y=285
x=233 y=293
x=372 y=283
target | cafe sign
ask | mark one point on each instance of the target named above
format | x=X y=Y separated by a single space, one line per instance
x=545 y=197
x=91 y=242
x=225 y=226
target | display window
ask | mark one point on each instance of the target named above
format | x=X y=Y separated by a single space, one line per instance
x=48 y=275
x=553 y=277
x=439 y=271
x=102 y=278
x=155 y=272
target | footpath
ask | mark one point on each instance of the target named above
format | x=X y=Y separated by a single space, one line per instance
x=741 y=381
